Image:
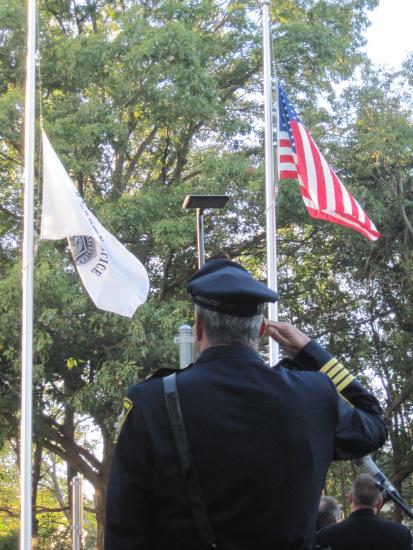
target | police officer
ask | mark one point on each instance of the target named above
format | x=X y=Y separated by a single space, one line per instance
x=261 y=439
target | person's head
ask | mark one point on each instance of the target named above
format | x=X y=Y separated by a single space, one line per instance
x=228 y=304
x=329 y=512
x=364 y=493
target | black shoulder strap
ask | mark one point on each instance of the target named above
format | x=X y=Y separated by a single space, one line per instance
x=176 y=420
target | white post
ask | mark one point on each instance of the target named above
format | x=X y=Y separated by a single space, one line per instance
x=77 y=511
x=270 y=169
x=185 y=341
x=27 y=284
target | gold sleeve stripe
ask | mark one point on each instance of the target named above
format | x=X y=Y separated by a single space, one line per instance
x=338 y=377
x=335 y=370
x=328 y=365
x=345 y=382
x=337 y=373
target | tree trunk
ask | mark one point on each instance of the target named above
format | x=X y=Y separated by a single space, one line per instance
x=70 y=471
x=37 y=461
x=343 y=492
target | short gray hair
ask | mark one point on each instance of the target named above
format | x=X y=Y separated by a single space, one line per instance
x=221 y=328
x=364 y=491
x=329 y=504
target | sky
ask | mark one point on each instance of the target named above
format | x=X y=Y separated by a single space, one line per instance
x=390 y=36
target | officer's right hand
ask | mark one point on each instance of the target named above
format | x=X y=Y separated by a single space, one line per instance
x=290 y=338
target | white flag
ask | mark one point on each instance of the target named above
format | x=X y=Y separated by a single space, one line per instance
x=115 y=280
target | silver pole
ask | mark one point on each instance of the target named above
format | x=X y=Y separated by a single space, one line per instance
x=27 y=288
x=77 y=511
x=200 y=236
x=185 y=341
x=270 y=169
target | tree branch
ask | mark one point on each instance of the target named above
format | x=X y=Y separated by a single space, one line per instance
x=141 y=149
x=10 y=513
x=395 y=404
x=10 y=214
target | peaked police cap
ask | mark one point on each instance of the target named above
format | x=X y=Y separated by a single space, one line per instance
x=225 y=286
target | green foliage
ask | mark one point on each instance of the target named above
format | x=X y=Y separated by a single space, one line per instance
x=10 y=541
x=321 y=39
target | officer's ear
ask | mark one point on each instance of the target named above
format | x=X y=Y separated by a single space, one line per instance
x=263 y=328
x=199 y=328
x=379 y=504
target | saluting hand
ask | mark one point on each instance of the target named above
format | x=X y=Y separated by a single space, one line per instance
x=290 y=338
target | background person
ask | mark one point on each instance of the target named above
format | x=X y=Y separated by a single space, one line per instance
x=363 y=529
x=329 y=512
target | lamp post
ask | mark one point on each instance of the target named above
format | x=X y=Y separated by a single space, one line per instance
x=200 y=203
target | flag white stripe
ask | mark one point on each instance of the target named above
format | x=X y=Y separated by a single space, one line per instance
x=346 y=199
x=283 y=135
x=311 y=169
x=361 y=214
x=285 y=151
x=287 y=166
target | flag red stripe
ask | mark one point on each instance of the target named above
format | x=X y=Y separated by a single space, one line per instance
x=286 y=158
x=299 y=150
x=320 y=182
x=284 y=143
x=338 y=194
x=288 y=175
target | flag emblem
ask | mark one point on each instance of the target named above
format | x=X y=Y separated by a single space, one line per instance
x=83 y=249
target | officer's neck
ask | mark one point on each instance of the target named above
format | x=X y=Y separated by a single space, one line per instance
x=204 y=344
x=355 y=508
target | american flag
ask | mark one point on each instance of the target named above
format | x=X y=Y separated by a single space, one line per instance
x=325 y=197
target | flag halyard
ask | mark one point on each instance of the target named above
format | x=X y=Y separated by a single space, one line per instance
x=115 y=280
x=324 y=195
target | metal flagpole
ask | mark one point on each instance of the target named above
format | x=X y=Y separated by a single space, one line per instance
x=77 y=512
x=270 y=169
x=27 y=284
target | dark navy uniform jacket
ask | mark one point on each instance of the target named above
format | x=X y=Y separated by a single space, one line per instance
x=363 y=530
x=261 y=438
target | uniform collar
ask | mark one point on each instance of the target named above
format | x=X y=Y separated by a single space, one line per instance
x=231 y=350
x=362 y=512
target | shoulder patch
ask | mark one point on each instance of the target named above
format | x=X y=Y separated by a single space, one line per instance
x=126 y=409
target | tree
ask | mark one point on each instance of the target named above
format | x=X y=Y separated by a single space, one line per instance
x=380 y=133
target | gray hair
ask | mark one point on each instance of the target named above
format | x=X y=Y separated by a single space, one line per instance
x=328 y=512
x=221 y=328
x=329 y=504
x=364 y=491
